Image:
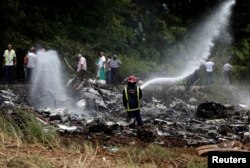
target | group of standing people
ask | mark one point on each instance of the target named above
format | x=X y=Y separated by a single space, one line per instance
x=10 y=62
x=226 y=70
x=107 y=71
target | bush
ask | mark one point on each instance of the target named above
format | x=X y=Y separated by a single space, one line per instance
x=135 y=66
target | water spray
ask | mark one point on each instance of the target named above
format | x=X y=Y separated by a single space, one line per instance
x=47 y=84
x=200 y=43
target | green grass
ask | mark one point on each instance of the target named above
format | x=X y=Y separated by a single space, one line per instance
x=25 y=128
x=22 y=129
x=158 y=156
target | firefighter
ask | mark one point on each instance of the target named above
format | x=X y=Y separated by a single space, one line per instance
x=131 y=100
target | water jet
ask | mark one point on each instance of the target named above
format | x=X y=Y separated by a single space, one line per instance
x=199 y=44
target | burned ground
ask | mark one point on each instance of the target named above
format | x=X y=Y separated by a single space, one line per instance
x=171 y=120
x=172 y=117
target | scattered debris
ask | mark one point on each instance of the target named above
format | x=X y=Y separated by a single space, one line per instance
x=64 y=128
x=230 y=146
x=211 y=110
x=98 y=110
x=111 y=148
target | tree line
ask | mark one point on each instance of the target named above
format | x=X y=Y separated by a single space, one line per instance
x=140 y=32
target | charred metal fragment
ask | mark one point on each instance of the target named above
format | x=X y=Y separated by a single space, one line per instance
x=211 y=110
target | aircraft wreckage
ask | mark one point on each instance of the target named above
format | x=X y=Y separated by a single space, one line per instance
x=98 y=110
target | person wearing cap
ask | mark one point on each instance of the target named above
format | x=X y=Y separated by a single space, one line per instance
x=81 y=66
x=131 y=100
x=9 y=62
x=30 y=61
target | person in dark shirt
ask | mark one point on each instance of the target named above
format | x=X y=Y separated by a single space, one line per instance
x=131 y=100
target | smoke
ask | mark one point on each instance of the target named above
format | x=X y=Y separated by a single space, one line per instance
x=197 y=47
x=240 y=94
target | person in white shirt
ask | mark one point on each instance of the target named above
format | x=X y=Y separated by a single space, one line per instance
x=9 y=61
x=30 y=63
x=101 y=65
x=81 y=66
x=209 y=71
x=227 y=73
